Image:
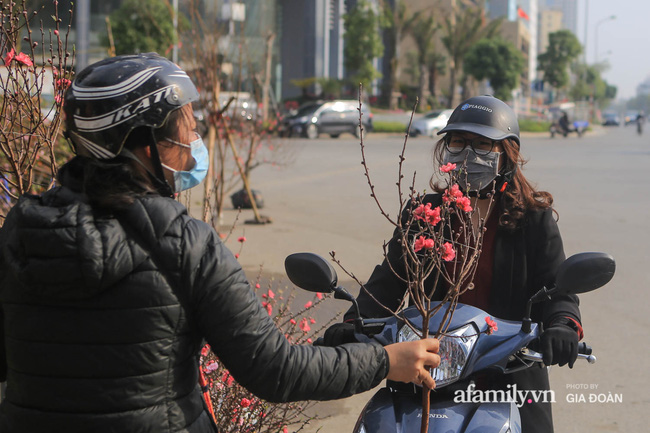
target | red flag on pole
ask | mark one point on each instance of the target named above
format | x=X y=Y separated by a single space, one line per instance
x=522 y=13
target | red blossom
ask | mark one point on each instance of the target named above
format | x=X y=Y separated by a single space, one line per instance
x=492 y=325
x=56 y=32
x=433 y=217
x=268 y=306
x=205 y=350
x=309 y=340
x=447 y=167
x=292 y=321
x=257 y=286
x=63 y=83
x=423 y=242
x=463 y=204
x=24 y=59
x=304 y=325
x=319 y=295
x=308 y=304
x=271 y=294
x=10 y=56
x=425 y=213
x=447 y=252
x=245 y=402
x=241 y=239
x=452 y=194
x=312 y=320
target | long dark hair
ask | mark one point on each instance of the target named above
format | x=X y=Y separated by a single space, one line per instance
x=519 y=194
x=116 y=183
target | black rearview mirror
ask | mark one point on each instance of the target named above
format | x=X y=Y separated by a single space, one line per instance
x=584 y=272
x=311 y=272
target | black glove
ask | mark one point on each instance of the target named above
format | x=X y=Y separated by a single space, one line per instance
x=559 y=345
x=339 y=333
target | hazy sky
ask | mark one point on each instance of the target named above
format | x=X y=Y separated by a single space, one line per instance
x=624 y=41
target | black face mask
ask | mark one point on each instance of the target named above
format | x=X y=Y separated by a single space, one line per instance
x=476 y=172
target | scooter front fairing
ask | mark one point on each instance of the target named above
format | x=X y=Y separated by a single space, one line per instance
x=389 y=412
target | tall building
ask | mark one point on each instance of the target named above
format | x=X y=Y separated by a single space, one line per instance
x=517 y=33
x=569 y=10
x=502 y=8
x=550 y=20
x=525 y=14
x=311 y=42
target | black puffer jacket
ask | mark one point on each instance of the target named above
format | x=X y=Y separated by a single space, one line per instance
x=104 y=316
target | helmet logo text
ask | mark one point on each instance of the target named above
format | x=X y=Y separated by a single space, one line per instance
x=122 y=114
x=477 y=107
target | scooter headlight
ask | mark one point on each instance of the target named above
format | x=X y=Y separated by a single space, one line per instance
x=455 y=348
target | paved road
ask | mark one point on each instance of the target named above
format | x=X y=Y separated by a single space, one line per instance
x=321 y=202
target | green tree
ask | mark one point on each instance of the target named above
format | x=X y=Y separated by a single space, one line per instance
x=462 y=30
x=437 y=66
x=397 y=20
x=563 y=48
x=497 y=60
x=362 y=42
x=591 y=85
x=423 y=30
x=140 y=26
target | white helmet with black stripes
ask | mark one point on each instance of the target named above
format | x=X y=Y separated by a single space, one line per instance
x=110 y=98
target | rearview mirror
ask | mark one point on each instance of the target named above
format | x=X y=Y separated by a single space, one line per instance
x=584 y=272
x=311 y=272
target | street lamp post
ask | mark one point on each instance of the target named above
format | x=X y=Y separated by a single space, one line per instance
x=609 y=18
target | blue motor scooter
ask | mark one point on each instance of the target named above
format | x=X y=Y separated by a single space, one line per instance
x=466 y=350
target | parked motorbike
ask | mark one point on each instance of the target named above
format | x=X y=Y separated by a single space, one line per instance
x=577 y=127
x=466 y=351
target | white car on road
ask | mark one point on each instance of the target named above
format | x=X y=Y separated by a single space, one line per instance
x=430 y=123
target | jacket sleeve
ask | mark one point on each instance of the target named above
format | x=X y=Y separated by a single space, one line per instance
x=243 y=336
x=548 y=258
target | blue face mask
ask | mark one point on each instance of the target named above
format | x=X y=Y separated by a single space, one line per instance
x=184 y=180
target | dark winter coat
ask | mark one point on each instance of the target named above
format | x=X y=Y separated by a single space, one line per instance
x=102 y=318
x=525 y=260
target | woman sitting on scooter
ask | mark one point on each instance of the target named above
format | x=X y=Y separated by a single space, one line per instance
x=108 y=288
x=522 y=248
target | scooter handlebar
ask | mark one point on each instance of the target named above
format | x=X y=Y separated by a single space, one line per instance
x=584 y=352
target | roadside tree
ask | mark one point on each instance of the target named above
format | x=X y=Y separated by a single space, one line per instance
x=498 y=61
x=363 y=42
x=423 y=30
x=141 y=26
x=397 y=21
x=590 y=84
x=462 y=30
x=563 y=48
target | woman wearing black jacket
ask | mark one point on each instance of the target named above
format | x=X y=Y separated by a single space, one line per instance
x=108 y=287
x=521 y=250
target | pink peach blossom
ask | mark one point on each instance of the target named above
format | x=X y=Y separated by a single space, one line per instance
x=423 y=242
x=463 y=204
x=447 y=167
x=447 y=251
